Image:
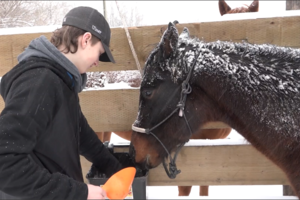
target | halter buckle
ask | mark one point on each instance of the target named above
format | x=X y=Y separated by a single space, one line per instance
x=180 y=112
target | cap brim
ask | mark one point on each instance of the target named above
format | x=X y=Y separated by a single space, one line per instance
x=107 y=56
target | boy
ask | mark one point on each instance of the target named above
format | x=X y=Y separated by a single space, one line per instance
x=42 y=128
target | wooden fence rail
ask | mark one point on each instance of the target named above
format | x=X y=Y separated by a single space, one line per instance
x=215 y=164
x=282 y=31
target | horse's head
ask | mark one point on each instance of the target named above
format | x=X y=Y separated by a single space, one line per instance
x=166 y=68
x=225 y=8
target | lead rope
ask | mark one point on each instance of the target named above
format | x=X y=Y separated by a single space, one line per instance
x=186 y=89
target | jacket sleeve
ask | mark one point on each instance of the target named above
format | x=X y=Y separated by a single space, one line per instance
x=30 y=105
x=94 y=150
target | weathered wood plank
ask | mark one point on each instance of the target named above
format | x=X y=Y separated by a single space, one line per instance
x=221 y=165
x=116 y=110
x=215 y=165
x=282 y=31
x=110 y=110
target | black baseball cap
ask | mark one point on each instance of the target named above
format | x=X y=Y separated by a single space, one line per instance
x=90 y=20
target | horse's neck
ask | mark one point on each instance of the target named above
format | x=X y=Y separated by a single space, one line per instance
x=252 y=91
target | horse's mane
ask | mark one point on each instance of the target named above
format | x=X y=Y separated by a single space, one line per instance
x=252 y=73
x=221 y=51
x=224 y=8
x=264 y=65
x=263 y=56
x=248 y=50
x=239 y=10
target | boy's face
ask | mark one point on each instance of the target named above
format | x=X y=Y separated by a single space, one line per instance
x=88 y=53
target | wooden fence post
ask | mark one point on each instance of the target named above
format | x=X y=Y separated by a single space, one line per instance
x=288 y=191
x=292 y=4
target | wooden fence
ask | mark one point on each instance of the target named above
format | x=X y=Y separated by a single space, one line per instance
x=115 y=110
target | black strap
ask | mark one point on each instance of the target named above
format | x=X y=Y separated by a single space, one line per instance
x=186 y=89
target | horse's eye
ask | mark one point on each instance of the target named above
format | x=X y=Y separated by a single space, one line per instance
x=147 y=93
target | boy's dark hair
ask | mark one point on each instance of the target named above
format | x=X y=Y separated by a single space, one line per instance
x=68 y=36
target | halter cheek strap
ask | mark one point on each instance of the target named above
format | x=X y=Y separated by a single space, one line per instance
x=186 y=89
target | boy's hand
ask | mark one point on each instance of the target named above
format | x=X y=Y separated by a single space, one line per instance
x=96 y=192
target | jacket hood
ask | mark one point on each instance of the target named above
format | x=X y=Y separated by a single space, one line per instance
x=36 y=63
x=41 y=47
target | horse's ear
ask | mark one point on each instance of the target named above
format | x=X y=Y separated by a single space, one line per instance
x=223 y=7
x=254 y=6
x=185 y=34
x=170 y=40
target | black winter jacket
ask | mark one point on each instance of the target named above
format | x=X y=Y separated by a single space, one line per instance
x=42 y=133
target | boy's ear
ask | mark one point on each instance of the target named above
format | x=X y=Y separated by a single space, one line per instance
x=84 y=39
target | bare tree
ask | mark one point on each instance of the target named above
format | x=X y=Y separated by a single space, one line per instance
x=31 y=13
x=23 y=13
x=131 y=14
x=15 y=13
x=50 y=12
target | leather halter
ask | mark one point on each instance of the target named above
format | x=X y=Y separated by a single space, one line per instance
x=185 y=90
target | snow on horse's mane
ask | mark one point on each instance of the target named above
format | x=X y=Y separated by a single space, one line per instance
x=261 y=62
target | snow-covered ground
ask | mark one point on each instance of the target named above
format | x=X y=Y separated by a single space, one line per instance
x=114 y=86
x=216 y=192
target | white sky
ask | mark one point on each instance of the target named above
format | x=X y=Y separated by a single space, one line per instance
x=162 y=12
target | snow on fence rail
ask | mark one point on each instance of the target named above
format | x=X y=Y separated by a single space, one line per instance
x=115 y=110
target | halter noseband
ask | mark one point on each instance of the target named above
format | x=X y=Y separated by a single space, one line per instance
x=186 y=89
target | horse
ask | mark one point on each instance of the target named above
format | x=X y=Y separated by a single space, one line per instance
x=202 y=134
x=224 y=8
x=188 y=82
